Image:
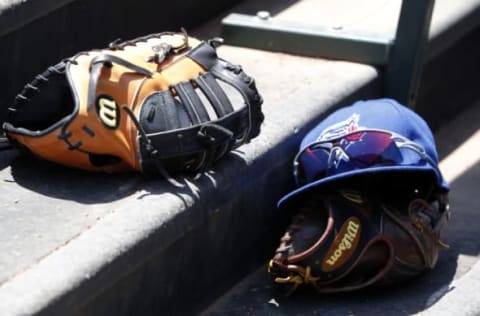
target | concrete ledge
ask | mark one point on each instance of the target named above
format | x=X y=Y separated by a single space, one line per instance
x=459 y=298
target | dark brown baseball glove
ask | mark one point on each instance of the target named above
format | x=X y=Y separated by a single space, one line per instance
x=359 y=234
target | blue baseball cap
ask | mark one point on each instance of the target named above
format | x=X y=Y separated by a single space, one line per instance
x=385 y=115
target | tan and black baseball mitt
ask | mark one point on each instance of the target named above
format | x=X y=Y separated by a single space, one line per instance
x=359 y=235
x=161 y=103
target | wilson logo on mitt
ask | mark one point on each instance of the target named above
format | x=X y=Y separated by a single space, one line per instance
x=344 y=245
x=108 y=111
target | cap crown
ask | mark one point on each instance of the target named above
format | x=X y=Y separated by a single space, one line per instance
x=378 y=114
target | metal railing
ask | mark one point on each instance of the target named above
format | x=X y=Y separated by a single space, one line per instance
x=401 y=57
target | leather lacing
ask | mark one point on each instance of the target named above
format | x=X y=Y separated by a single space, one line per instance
x=28 y=91
x=296 y=275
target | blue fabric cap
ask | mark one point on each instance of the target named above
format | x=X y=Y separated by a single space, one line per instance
x=379 y=114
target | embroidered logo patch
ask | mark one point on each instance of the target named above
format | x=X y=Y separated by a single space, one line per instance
x=343 y=246
x=108 y=111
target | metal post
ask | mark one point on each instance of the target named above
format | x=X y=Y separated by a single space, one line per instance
x=405 y=66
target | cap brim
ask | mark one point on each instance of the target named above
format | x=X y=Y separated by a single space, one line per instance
x=323 y=183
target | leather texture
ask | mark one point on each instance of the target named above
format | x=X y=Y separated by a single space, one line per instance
x=344 y=240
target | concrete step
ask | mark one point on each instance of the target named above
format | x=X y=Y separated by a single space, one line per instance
x=78 y=243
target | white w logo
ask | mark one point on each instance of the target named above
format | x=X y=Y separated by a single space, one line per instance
x=108 y=112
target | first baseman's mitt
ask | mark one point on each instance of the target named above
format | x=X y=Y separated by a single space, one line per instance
x=160 y=103
x=362 y=235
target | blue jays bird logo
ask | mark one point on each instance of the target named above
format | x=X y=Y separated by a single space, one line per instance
x=341 y=128
x=337 y=130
